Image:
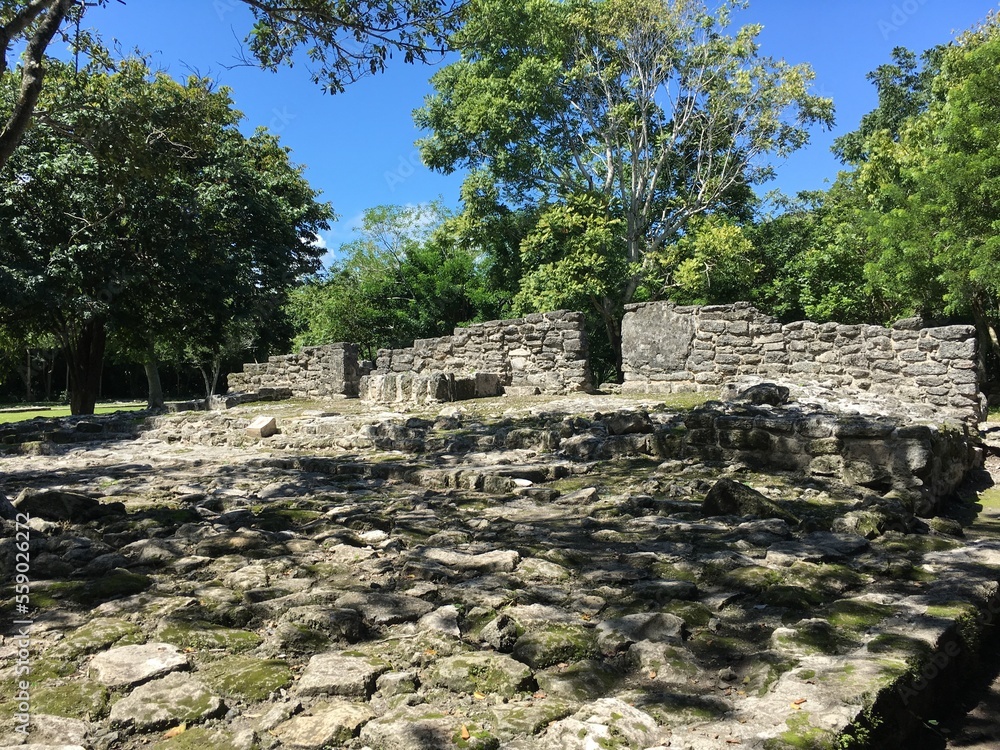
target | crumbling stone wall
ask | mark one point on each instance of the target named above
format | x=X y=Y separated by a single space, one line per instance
x=669 y=348
x=540 y=353
x=315 y=372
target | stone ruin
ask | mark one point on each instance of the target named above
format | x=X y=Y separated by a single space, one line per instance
x=578 y=571
x=881 y=408
x=543 y=353
x=932 y=371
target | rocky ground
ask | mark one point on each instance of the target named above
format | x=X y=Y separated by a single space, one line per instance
x=468 y=577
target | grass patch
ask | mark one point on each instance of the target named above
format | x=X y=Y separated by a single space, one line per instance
x=8 y=417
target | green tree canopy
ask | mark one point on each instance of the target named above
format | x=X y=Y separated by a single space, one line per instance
x=140 y=211
x=646 y=112
x=409 y=275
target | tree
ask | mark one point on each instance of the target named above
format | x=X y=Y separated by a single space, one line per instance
x=409 y=275
x=904 y=91
x=139 y=211
x=645 y=111
x=347 y=39
x=934 y=193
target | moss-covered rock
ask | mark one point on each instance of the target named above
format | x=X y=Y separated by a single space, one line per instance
x=554 y=644
x=482 y=672
x=246 y=678
x=814 y=636
x=197 y=738
x=199 y=634
x=86 y=700
x=98 y=634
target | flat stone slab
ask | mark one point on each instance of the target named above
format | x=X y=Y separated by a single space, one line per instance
x=819 y=546
x=130 y=665
x=608 y=722
x=262 y=427
x=336 y=674
x=385 y=609
x=613 y=635
x=327 y=724
x=424 y=728
x=173 y=699
x=495 y=561
x=482 y=672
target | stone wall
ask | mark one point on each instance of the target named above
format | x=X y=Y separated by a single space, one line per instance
x=315 y=372
x=541 y=353
x=669 y=348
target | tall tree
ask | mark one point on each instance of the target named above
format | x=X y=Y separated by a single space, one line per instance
x=648 y=109
x=139 y=211
x=934 y=193
x=345 y=39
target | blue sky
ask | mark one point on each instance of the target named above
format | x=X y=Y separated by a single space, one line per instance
x=358 y=146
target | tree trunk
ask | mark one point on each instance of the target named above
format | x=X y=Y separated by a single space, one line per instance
x=27 y=378
x=613 y=329
x=155 y=398
x=85 y=357
x=989 y=347
x=32 y=70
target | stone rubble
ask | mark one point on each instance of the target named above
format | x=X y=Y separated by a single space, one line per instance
x=531 y=574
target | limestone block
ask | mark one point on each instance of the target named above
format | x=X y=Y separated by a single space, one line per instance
x=262 y=427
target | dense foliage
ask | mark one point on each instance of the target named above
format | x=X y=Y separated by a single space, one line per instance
x=137 y=210
x=617 y=123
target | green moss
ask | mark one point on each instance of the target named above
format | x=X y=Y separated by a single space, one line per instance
x=75 y=700
x=246 y=678
x=97 y=635
x=951 y=610
x=827 y=578
x=752 y=578
x=857 y=616
x=50 y=668
x=478 y=739
x=281 y=519
x=117 y=584
x=694 y=614
x=816 y=637
x=765 y=672
x=672 y=572
x=917 y=544
x=206 y=635
x=802 y=735
x=197 y=738
x=792 y=597
x=671 y=708
x=554 y=644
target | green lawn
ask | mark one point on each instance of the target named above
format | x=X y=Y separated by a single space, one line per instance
x=62 y=411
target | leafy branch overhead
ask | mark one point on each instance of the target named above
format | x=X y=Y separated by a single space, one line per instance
x=350 y=39
x=346 y=39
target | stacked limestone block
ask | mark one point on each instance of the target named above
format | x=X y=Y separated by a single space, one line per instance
x=541 y=353
x=316 y=372
x=666 y=347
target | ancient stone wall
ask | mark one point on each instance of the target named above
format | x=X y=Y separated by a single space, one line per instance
x=315 y=372
x=541 y=353
x=669 y=348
